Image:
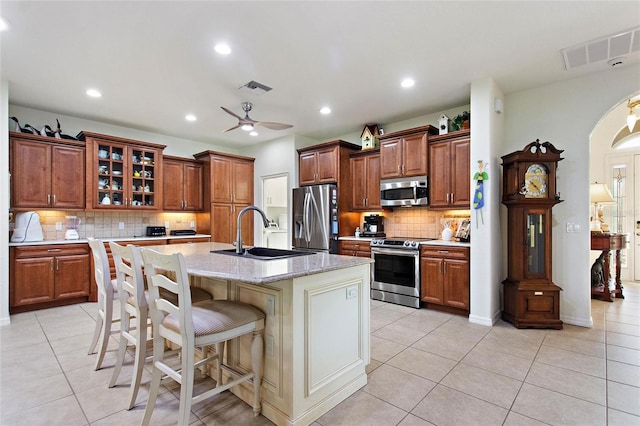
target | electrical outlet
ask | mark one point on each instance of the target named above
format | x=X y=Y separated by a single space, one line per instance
x=352 y=292
x=58 y=226
x=192 y=224
x=166 y=224
x=573 y=227
x=120 y=225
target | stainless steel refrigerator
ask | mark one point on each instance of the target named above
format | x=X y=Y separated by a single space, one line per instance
x=315 y=218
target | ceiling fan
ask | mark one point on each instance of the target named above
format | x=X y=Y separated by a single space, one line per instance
x=248 y=124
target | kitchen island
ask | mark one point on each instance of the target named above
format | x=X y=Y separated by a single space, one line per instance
x=317 y=325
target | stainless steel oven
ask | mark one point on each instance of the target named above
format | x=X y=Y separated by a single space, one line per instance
x=396 y=271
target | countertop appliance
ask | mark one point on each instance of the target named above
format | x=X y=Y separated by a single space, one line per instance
x=373 y=226
x=411 y=191
x=182 y=232
x=27 y=228
x=315 y=218
x=72 y=228
x=156 y=231
x=396 y=270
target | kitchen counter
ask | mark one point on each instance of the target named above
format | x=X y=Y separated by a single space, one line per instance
x=316 y=330
x=115 y=239
x=430 y=242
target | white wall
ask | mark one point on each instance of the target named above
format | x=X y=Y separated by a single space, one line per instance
x=565 y=114
x=4 y=203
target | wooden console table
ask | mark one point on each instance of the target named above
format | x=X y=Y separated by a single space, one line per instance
x=607 y=242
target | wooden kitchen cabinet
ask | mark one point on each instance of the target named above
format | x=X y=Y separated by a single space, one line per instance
x=404 y=153
x=182 y=184
x=46 y=173
x=44 y=276
x=228 y=188
x=122 y=173
x=365 y=178
x=354 y=248
x=324 y=163
x=444 y=278
x=449 y=170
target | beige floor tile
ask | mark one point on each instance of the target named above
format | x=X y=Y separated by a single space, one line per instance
x=556 y=408
x=623 y=340
x=372 y=366
x=32 y=393
x=618 y=418
x=235 y=412
x=21 y=334
x=64 y=411
x=499 y=362
x=362 y=409
x=623 y=373
x=622 y=328
x=68 y=328
x=79 y=358
x=458 y=330
x=572 y=361
x=420 y=323
x=411 y=420
x=626 y=355
x=445 y=345
x=587 y=347
x=583 y=386
x=377 y=324
x=27 y=363
x=399 y=334
x=594 y=334
x=485 y=385
x=621 y=318
x=423 y=364
x=383 y=350
x=447 y=407
x=624 y=398
x=397 y=387
x=515 y=419
x=388 y=315
x=79 y=341
x=504 y=344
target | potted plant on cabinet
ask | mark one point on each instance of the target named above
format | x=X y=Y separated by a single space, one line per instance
x=461 y=121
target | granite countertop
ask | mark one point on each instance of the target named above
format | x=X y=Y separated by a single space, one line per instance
x=426 y=243
x=200 y=262
x=115 y=239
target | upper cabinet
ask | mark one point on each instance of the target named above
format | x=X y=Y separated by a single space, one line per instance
x=320 y=164
x=182 y=184
x=404 y=153
x=449 y=170
x=46 y=172
x=365 y=178
x=122 y=173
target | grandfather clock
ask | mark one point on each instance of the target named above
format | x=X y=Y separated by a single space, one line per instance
x=531 y=299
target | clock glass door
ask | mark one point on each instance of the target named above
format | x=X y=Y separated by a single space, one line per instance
x=536 y=243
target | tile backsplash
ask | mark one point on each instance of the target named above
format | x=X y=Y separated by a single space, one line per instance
x=417 y=222
x=108 y=224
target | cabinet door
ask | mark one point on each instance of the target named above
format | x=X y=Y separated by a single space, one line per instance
x=247 y=224
x=31 y=177
x=456 y=283
x=193 y=191
x=221 y=183
x=173 y=183
x=439 y=176
x=307 y=168
x=68 y=177
x=390 y=158
x=111 y=177
x=71 y=276
x=33 y=281
x=145 y=166
x=460 y=173
x=431 y=280
x=359 y=183
x=373 y=182
x=223 y=223
x=328 y=165
x=242 y=175
x=414 y=156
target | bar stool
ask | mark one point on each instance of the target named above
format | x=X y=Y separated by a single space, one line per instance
x=106 y=289
x=196 y=326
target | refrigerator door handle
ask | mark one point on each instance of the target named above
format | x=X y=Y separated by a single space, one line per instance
x=305 y=215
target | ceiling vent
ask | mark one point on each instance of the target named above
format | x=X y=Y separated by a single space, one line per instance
x=602 y=49
x=254 y=88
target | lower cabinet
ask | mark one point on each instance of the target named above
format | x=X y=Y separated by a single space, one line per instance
x=355 y=248
x=47 y=276
x=444 y=278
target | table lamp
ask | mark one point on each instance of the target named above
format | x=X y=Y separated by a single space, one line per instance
x=599 y=195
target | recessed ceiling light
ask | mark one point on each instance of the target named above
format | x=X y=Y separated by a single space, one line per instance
x=325 y=110
x=94 y=93
x=190 y=117
x=407 y=82
x=222 y=48
x=4 y=25
x=254 y=133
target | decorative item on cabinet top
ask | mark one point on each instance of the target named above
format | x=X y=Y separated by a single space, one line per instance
x=45 y=131
x=369 y=136
x=461 y=121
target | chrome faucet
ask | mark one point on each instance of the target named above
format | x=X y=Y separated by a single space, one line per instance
x=239 y=232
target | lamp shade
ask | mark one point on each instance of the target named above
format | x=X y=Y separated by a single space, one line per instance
x=600 y=194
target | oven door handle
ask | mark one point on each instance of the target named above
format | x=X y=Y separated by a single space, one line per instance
x=395 y=252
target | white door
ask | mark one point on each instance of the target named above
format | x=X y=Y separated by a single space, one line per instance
x=634 y=245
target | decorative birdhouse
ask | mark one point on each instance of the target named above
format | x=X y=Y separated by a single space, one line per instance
x=369 y=136
x=443 y=124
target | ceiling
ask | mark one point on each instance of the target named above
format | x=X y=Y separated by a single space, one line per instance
x=154 y=61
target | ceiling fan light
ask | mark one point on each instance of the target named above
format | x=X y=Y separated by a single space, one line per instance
x=247 y=127
x=631 y=121
x=253 y=133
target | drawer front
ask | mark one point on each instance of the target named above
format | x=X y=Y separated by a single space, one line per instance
x=355 y=246
x=445 y=252
x=52 y=250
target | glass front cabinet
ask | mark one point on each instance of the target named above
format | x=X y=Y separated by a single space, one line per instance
x=124 y=174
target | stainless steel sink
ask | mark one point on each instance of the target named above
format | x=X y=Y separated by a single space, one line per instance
x=264 y=253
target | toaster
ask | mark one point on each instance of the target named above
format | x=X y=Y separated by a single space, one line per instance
x=156 y=231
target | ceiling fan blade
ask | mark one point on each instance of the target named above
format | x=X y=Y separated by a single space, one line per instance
x=273 y=126
x=233 y=128
x=228 y=111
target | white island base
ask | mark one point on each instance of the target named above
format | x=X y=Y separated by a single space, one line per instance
x=316 y=339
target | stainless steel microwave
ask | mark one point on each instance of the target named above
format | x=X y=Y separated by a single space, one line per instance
x=411 y=191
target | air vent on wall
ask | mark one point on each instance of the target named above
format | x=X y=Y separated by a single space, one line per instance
x=602 y=49
x=254 y=88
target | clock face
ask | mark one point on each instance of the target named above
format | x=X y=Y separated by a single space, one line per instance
x=535 y=181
